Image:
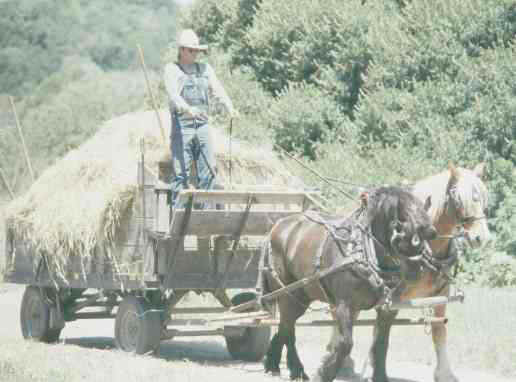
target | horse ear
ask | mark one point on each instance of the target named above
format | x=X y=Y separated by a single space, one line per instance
x=428 y=203
x=480 y=170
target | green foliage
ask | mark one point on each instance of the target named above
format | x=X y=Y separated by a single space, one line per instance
x=302 y=116
x=354 y=166
x=426 y=40
x=65 y=110
x=248 y=97
x=208 y=18
x=283 y=46
x=488 y=268
x=503 y=188
x=37 y=35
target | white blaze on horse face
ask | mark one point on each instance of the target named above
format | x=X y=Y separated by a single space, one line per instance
x=473 y=195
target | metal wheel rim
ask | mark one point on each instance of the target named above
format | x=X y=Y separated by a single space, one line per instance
x=34 y=317
x=130 y=326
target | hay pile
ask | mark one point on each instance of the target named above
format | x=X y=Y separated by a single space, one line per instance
x=78 y=202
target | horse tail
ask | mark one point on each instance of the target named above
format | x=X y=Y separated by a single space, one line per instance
x=265 y=282
x=264 y=266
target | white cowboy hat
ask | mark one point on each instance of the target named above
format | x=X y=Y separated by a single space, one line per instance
x=188 y=39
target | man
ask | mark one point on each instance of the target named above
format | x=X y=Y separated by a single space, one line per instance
x=189 y=85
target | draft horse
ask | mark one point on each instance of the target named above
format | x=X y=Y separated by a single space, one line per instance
x=459 y=203
x=391 y=228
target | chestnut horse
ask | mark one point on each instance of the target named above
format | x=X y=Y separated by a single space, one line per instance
x=459 y=200
x=392 y=221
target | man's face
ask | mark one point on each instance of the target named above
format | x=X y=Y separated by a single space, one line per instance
x=189 y=55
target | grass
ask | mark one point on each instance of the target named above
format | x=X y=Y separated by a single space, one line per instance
x=485 y=328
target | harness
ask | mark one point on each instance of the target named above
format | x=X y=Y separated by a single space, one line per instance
x=355 y=241
x=358 y=256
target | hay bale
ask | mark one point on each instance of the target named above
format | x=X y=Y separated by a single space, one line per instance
x=80 y=201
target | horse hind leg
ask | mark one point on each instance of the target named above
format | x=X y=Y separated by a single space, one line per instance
x=273 y=355
x=342 y=344
x=291 y=308
x=297 y=371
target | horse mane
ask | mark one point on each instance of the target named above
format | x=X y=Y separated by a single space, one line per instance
x=436 y=187
x=383 y=205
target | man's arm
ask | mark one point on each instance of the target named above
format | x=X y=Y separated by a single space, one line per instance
x=174 y=86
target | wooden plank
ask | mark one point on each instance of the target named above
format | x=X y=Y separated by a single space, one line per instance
x=419 y=303
x=162 y=213
x=361 y=322
x=241 y=197
x=214 y=222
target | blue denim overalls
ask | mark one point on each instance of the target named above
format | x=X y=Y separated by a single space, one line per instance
x=191 y=137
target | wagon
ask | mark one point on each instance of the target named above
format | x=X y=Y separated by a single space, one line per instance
x=209 y=244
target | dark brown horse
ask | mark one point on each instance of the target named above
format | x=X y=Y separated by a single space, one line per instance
x=459 y=199
x=391 y=229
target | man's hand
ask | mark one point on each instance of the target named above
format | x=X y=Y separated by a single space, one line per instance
x=193 y=112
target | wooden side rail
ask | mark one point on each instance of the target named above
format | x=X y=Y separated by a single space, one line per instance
x=241 y=197
x=214 y=222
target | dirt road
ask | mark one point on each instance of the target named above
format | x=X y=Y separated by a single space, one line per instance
x=186 y=359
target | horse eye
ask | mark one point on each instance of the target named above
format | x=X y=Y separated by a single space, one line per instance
x=416 y=241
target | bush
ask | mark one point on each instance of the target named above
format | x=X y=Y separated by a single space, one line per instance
x=302 y=116
x=37 y=35
x=488 y=268
x=354 y=166
x=208 y=18
x=424 y=43
x=283 y=46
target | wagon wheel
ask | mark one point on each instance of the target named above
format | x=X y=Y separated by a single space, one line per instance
x=253 y=344
x=35 y=317
x=137 y=326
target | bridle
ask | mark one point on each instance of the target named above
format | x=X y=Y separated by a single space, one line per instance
x=463 y=221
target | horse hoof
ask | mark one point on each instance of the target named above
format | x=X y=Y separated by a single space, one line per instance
x=445 y=378
x=274 y=372
x=299 y=377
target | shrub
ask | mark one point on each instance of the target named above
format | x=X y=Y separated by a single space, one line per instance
x=429 y=37
x=208 y=18
x=283 y=46
x=302 y=116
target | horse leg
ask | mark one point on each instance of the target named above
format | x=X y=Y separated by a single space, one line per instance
x=378 y=353
x=342 y=344
x=294 y=364
x=290 y=310
x=273 y=355
x=347 y=368
x=442 y=371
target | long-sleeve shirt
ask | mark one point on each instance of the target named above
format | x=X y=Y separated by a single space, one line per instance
x=175 y=79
